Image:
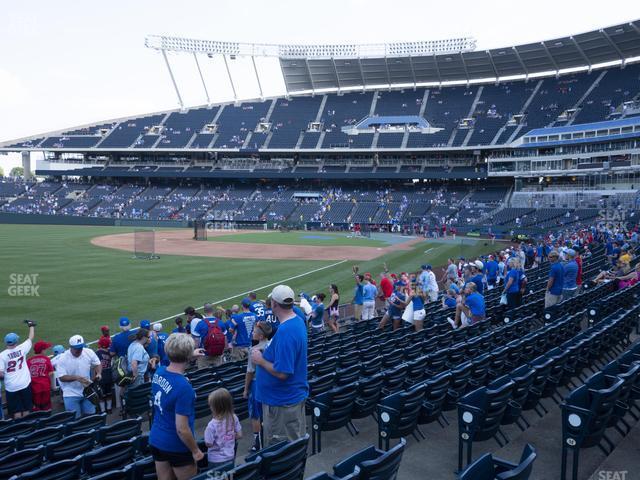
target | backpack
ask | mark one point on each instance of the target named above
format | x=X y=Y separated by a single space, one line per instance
x=215 y=341
x=121 y=372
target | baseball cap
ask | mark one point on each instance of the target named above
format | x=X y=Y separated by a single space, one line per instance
x=157 y=327
x=479 y=265
x=124 y=322
x=145 y=324
x=104 y=342
x=11 y=338
x=283 y=294
x=40 y=346
x=246 y=302
x=189 y=311
x=424 y=267
x=58 y=349
x=76 y=341
x=571 y=252
x=104 y=329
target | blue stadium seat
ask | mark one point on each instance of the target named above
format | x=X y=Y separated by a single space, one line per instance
x=488 y=467
x=61 y=470
x=21 y=461
x=39 y=437
x=119 y=431
x=331 y=411
x=246 y=471
x=85 y=424
x=479 y=415
x=585 y=416
x=398 y=414
x=284 y=460
x=373 y=463
x=70 y=446
x=112 y=457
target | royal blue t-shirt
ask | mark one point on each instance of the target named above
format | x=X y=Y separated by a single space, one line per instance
x=358 y=294
x=450 y=302
x=271 y=318
x=202 y=329
x=418 y=303
x=171 y=394
x=557 y=273
x=317 y=317
x=258 y=308
x=369 y=292
x=477 y=279
x=397 y=297
x=120 y=344
x=492 y=269
x=162 y=338
x=242 y=336
x=152 y=347
x=515 y=286
x=570 y=275
x=475 y=302
x=288 y=353
x=299 y=312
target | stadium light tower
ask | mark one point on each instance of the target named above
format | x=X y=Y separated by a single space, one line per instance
x=307 y=53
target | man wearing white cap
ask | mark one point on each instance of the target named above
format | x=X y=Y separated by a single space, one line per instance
x=281 y=373
x=76 y=369
x=15 y=372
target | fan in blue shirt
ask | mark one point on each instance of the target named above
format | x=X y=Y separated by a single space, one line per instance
x=120 y=343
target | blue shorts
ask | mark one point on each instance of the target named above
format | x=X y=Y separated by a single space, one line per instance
x=255 y=407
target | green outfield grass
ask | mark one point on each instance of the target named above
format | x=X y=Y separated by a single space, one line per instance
x=301 y=238
x=81 y=287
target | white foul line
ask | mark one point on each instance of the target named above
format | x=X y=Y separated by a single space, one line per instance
x=248 y=291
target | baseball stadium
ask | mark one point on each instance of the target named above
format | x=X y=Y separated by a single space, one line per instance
x=419 y=260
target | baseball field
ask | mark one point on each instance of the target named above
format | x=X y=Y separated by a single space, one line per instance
x=73 y=279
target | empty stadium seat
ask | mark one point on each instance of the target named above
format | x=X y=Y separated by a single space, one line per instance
x=331 y=411
x=70 y=446
x=112 y=457
x=246 y=471
x=372 y=463
x=488 y=467
x=119 y=431
x=61 y=470
x=284 y=460
x=21 y=461
x=136 y=401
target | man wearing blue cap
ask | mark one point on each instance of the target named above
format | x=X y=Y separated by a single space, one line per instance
x=15 y=372
x=119 y=347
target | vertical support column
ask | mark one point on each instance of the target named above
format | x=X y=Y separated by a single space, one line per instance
x=204 y=85
x=255 y=70
x=233 y=87
x=26 y=164
x=173 y=80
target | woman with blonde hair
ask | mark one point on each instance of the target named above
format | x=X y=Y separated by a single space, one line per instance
x=172 y=441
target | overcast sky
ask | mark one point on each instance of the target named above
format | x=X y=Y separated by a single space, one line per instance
x=67 y=63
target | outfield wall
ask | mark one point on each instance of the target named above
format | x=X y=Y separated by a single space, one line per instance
x=35 y=219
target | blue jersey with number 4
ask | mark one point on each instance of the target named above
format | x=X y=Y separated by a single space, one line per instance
x=171 y=394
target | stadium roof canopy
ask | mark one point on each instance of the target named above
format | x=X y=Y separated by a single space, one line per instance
x=338 y=67
x=610 y=44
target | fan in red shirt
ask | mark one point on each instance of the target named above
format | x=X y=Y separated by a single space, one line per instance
x=41 y=370
x=386 y=286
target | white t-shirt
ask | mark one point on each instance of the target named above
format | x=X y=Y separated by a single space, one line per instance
x=432 y=283
x=194 y=323
x=13 y=362
x=67 y=364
